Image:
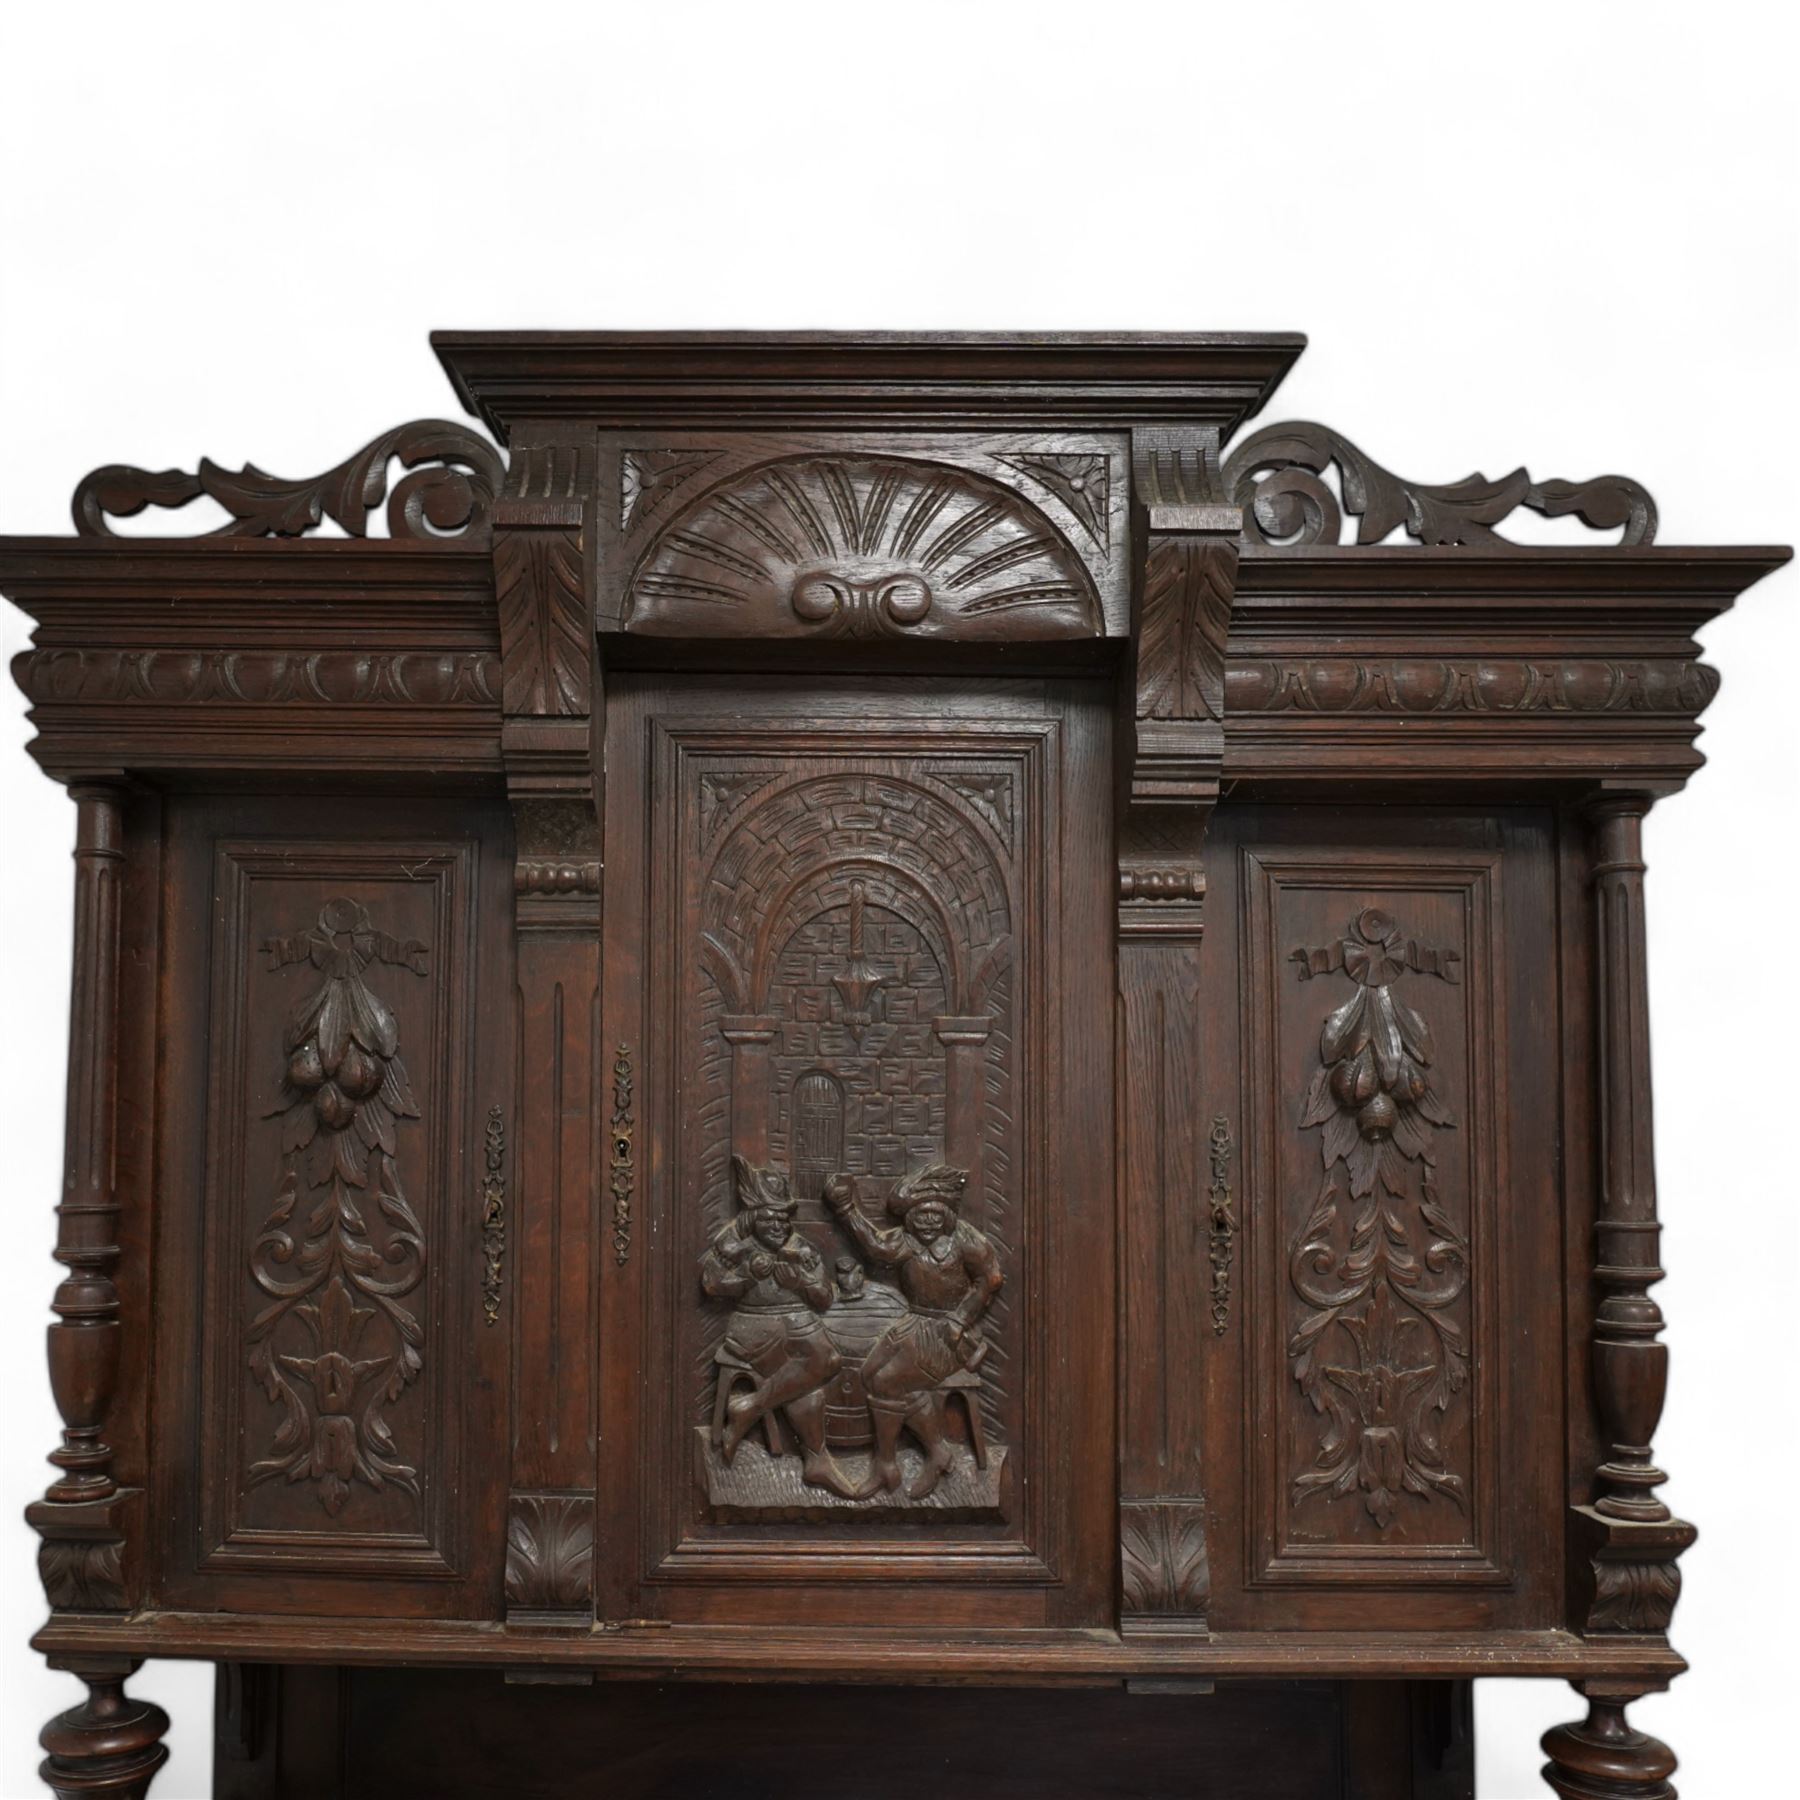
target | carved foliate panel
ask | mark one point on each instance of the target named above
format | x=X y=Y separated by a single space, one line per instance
x=337 y=1098
x=1378 y=1004
x=982 y=537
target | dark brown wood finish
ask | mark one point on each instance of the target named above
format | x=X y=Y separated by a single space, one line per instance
x=869 y=1015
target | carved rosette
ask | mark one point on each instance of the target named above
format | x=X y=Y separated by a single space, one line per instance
x=1377 y=1352
x=341 y=1251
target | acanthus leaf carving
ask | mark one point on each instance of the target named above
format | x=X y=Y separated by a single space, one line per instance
x=1163 y=1562
x=1378 y=1303
x=450 y=491
x=83 y=1574
x=1274 y=475
x=550 y=1552
x=540 y=592
x=359 y=1345
x=1189 y=586
x=1634 y=1596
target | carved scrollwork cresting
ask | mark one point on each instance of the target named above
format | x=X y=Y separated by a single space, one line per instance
x=1376 y=1299
x=455 y=476
x=341 y=1250
x=493 y=1215
x=622 y=1177
x=1164 y=1568
x=1275 y=476
x=1221 y=1230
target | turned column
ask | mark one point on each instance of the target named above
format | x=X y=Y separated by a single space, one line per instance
x=110 y=1745
x=1630 y=1536
x=84 y=1341
x=1631 y=1539
x=1630 y=1364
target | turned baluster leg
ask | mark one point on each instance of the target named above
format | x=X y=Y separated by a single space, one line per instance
x=1606 y=1757
x=109 y=1745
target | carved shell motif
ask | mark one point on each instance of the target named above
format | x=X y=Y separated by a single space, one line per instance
x=862 y=546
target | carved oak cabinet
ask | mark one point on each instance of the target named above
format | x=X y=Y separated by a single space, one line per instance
x=864 y=1018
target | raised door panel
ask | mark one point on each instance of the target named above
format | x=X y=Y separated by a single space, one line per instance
x=1380 y=1006
x=338 y=1110
x=863 y=1329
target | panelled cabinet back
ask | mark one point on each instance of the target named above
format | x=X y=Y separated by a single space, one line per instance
x=866 y=1018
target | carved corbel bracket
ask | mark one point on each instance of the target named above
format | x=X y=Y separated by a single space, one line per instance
x=548 y=683
x=550 y=1560
x=1175 y=699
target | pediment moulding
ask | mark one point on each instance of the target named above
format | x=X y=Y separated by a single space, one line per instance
x=883 y=494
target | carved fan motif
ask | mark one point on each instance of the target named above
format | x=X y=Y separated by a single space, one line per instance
x=865 y=547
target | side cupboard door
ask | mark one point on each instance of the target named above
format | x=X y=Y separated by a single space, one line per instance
x=1383 y=1412
x=335 y=1090
x=857 y=1288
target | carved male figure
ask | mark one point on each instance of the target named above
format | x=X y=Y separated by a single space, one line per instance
x=949 y=1273
x=781 y=1288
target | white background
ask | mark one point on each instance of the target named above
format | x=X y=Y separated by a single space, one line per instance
x=1559 y=233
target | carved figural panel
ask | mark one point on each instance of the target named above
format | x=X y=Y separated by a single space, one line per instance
x=1372 y=1020
x=852 y=973
x=1013 y=537
x=336 y=1087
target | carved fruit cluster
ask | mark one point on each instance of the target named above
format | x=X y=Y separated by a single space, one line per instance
x=344 y=1088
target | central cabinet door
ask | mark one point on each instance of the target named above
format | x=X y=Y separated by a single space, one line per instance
x=857 y=1294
